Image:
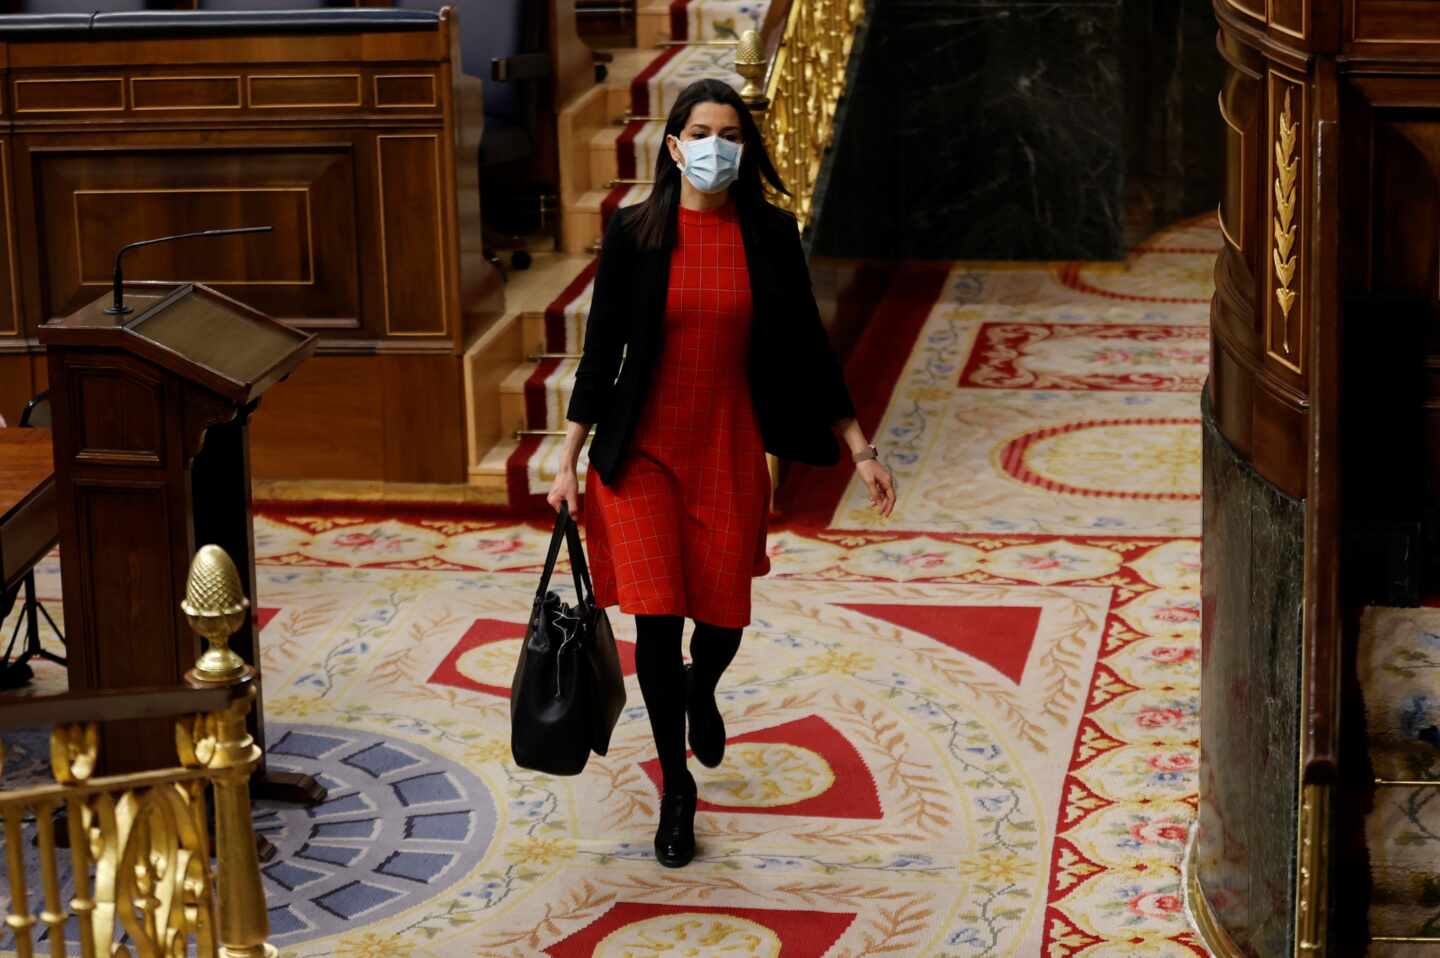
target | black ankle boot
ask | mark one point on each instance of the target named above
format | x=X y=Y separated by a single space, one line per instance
x=707 y=726
x=675 y=838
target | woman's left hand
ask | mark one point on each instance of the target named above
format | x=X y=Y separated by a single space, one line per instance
x=880 y=483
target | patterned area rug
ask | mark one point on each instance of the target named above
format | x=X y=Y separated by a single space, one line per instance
x=970 y=730
x=1398 y=663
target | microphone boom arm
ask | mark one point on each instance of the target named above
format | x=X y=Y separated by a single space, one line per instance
x=118 y=307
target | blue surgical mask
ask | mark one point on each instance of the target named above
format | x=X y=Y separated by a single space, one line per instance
x=711 y=164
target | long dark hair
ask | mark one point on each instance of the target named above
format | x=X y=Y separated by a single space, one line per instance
x=653 y=216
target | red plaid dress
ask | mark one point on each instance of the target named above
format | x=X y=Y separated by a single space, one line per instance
x=682 y=530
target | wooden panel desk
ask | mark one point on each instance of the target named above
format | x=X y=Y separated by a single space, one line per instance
x=353 y=133
x=29 y=525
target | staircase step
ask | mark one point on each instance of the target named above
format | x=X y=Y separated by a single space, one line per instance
x=708 y=19
x=1397 y=682
x=584 y=219
x=493 y=471
x=524 y=391
x=652 y=24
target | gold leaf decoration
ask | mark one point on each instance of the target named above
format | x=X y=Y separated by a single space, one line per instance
x=1287 y=167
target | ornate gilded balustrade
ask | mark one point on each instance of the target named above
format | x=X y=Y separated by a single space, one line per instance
x=794 y=83
x=139 y=844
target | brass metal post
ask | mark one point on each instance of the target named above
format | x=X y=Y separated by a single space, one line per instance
x=215 y=607
x=750 y=63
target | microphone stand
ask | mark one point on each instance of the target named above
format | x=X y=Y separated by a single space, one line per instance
x=118 y=307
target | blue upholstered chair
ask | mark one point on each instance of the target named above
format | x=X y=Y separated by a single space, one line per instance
x=503 y=43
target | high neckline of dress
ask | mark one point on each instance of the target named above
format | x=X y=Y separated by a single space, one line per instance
x=724 y=211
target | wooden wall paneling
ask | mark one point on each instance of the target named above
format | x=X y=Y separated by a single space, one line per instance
x=146 y=52
x=1232 y=389
x=17 y=385
x=1405 y=258
x=1291 y=18
x=1391 y=26
x=1251 y=9
x=12 y=320
x=574 y=65
x=327 y=420
x=187 y=92
x=424 y=418
x=481 y=287
x=116 y=188
x=286 y=90
x=412 y=233
x=361 y=151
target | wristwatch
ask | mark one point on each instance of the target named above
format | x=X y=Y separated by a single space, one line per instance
x=869 y=453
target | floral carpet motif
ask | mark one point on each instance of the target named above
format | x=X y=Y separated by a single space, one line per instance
x=968 y=731
x=1398 y=664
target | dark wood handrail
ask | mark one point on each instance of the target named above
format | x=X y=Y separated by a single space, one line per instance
x=772 y=31
x=114 y=705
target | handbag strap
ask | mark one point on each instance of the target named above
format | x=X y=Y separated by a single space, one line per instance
x=568 y=532
x=578 y=567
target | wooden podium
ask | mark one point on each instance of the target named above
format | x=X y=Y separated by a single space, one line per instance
x=152 y=461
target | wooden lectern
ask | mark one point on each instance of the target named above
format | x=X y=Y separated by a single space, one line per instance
x=152 y=461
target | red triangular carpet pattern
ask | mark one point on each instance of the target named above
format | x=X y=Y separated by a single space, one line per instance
x=486 y=631
x=998 y=635
x=853 y=794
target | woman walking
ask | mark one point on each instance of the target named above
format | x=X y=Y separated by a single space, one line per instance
x=703 y=350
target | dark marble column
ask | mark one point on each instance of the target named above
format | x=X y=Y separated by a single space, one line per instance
x=1252 y=578
x=1003 y=129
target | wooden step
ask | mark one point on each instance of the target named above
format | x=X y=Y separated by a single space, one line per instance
x=652 y=24
x=489 y=473
x=512 y=397
x=496 y=353
x=580 y=223
x=604 y=162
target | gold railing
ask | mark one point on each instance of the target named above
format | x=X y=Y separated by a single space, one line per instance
x=139 y=843
x=794 y=84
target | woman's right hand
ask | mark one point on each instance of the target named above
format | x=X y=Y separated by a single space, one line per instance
x=565 y=488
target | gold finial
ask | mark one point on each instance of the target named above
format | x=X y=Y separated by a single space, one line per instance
x=750 y=63
x=215 y=605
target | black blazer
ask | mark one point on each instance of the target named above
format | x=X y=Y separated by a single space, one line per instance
x=796 y=383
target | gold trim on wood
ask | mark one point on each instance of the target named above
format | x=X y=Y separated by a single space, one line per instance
x=134 y=102
x=309 y=231
x=434 y=88
x=1312 y=879
x=1207 y=927
x=250 y=79
x=1286 y=250
x=119 y=86
x=439 y=231
x=1239 y=244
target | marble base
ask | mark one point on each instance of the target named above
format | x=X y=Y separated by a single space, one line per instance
x=998 y=129
x=1249 y=714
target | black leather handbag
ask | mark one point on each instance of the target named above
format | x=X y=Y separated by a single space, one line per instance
x=568 y=690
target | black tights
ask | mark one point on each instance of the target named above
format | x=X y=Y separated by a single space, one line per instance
x=661 y=671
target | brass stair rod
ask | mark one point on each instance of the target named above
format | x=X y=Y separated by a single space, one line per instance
x=522 y=433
